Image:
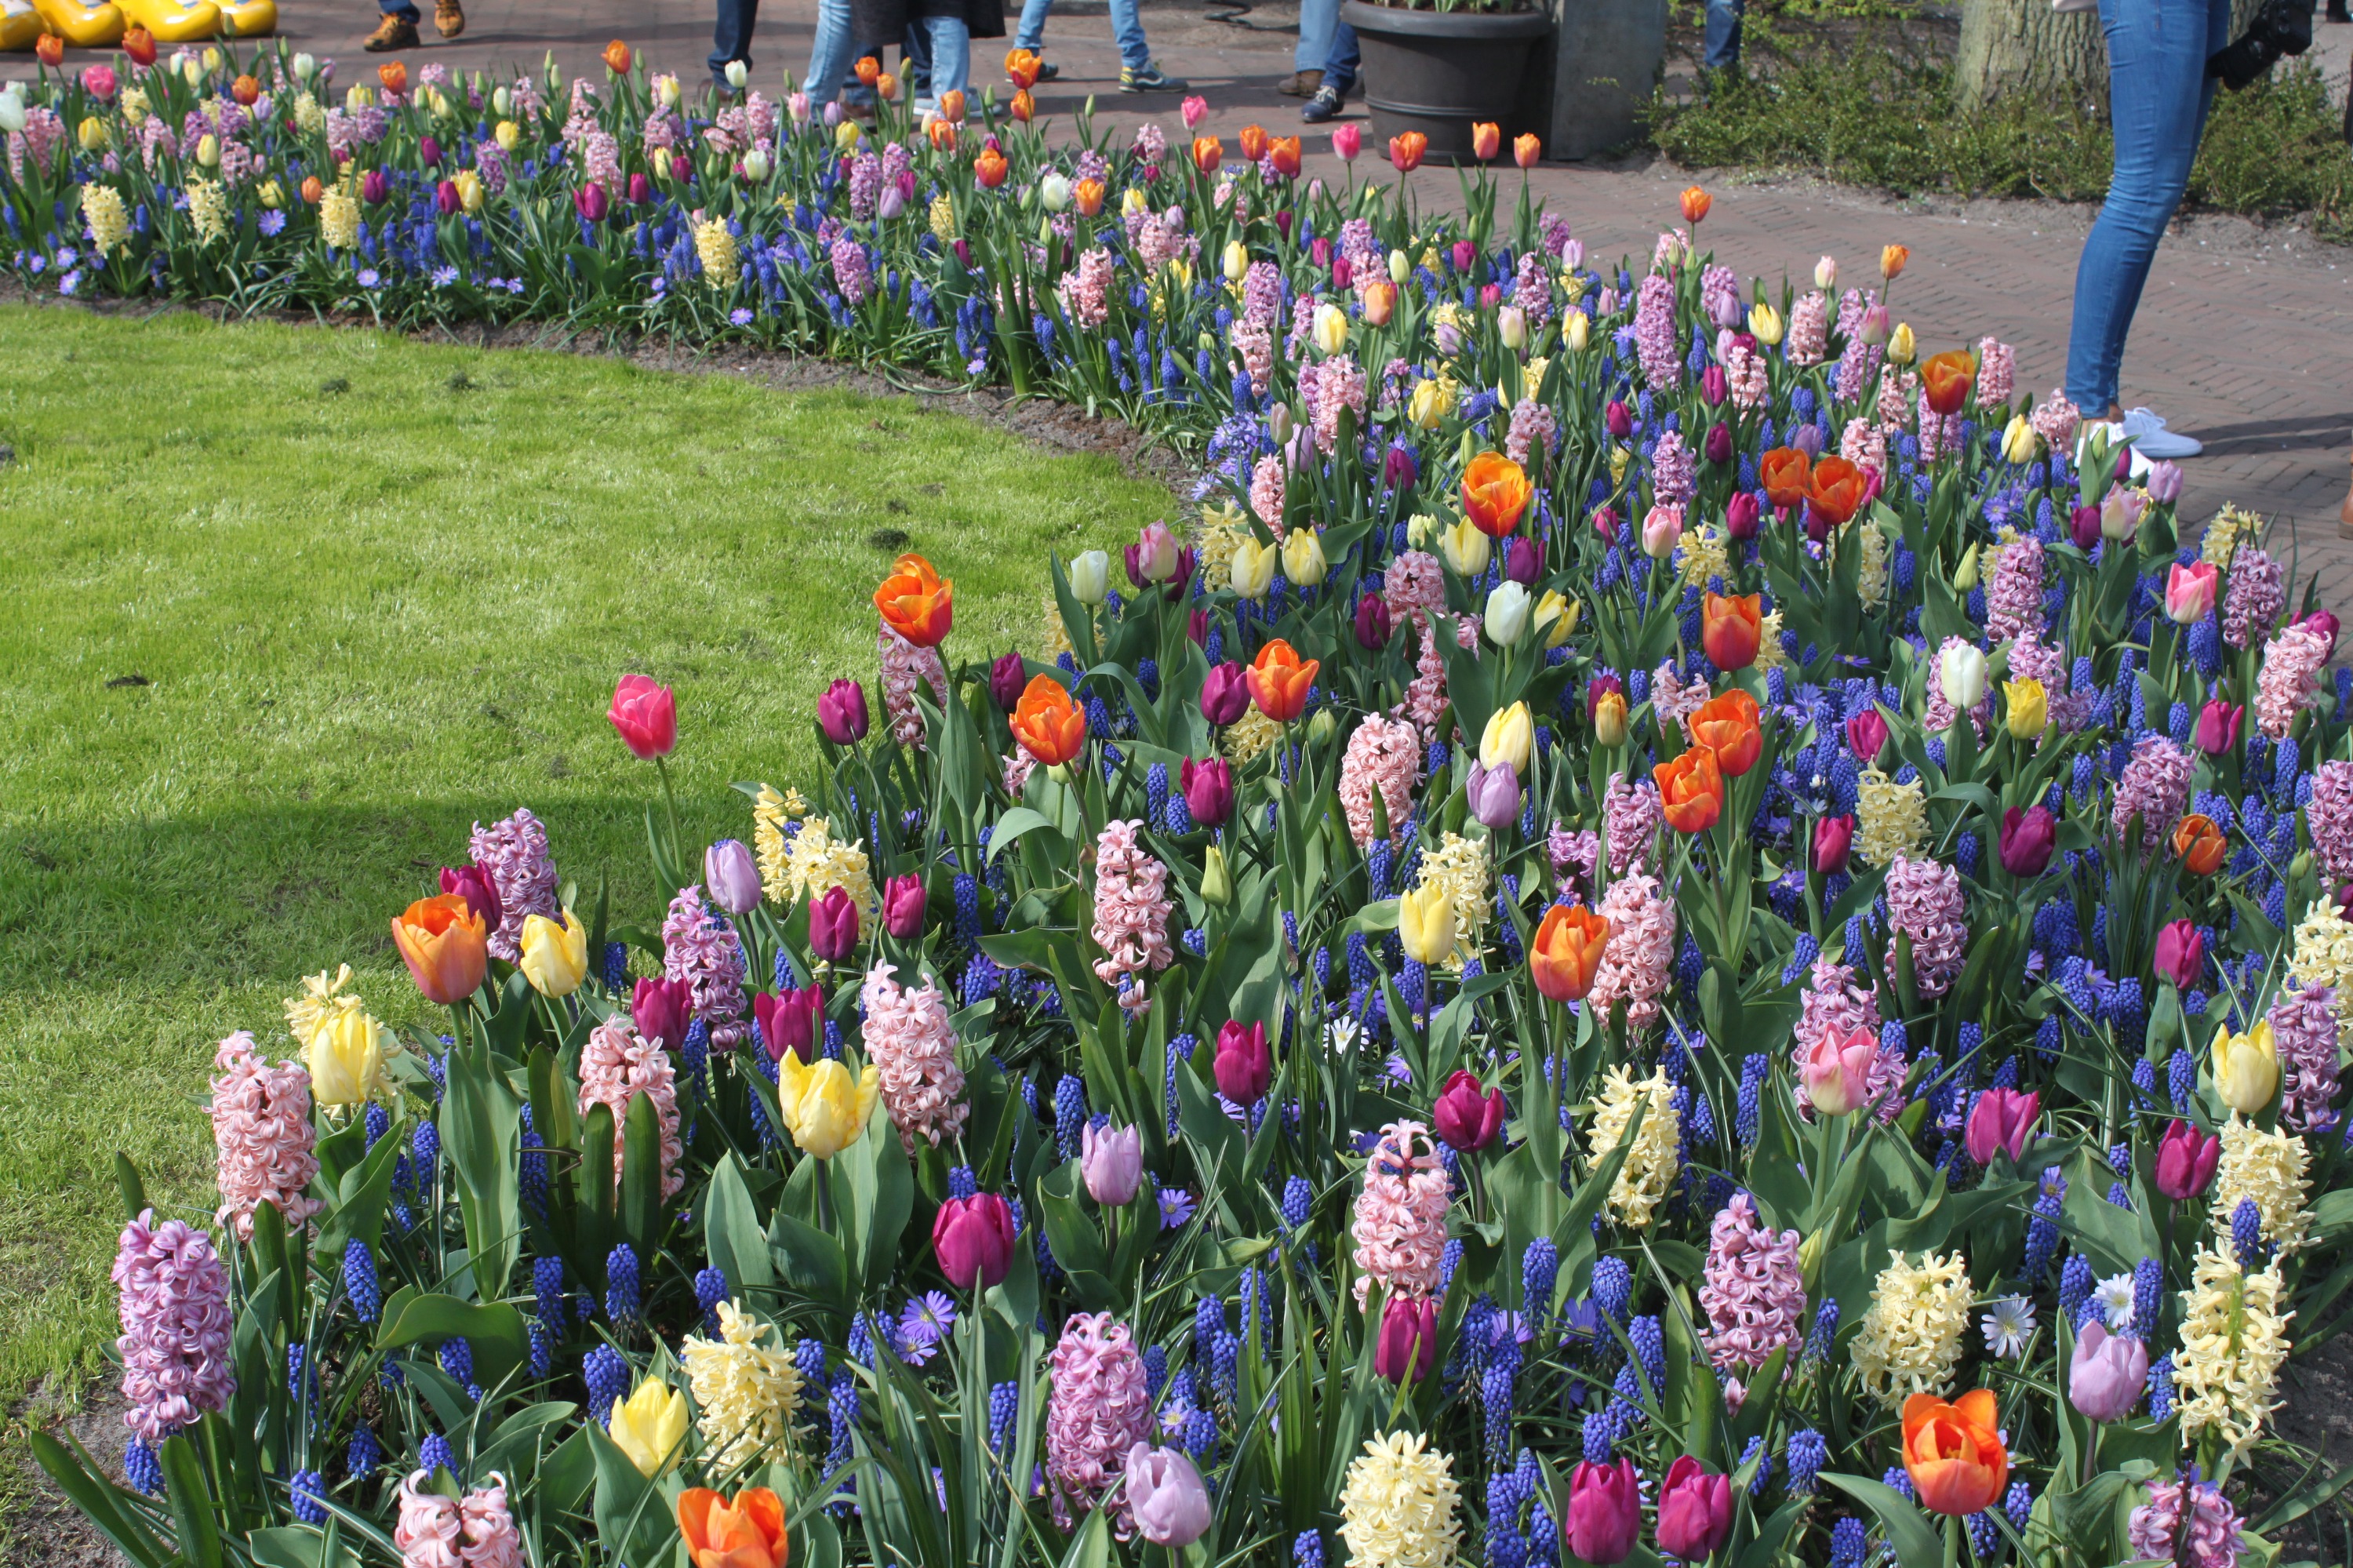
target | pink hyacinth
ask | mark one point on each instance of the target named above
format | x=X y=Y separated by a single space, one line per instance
x=2329 y=815
x=1328 y=389
x=1754 y=1291
x=1576 y=857
x=1132 y=911
x=1749 y=375
x=1255 y=342
x=261 y=1128
x=1719 y=294
x=616 y=1066
x=2030 y=659
x=1086 y=290
x=1655 y=340
x=1809 y=329
x=1895 y=393
x=1383 y=756
x=1425 y=694
x=1531 y=431
x=1835 y=999
x=1858 y=363
x=1263 y=294
x=514 y=851
x=1099 y=1407
x=1939 y=433
x=1531 y=289
x=2289 y=681
x=1630 y=819
x=1399 y=1227
x=914 y=1052
x=1675 y=472
x=2014 y=596
x=1864 y=444
x=175 y=1349
x=1018 y=764
x=1924 y=903
x=2185 y=1522
x=1997 y=372
x=2253 y=599
x=492 y=1540
x=2155 y=784
x=2304 y=1026
x=1414 y=585
x=1639 y=958
x=1267 y=479
x=851 y=273
x=2055 y=420
x=1673 y=700
x=600 y=159
x=432 y=1529
x=698 y=948
x=905 y=667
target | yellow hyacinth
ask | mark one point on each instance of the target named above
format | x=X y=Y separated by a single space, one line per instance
x=1704 y=556
x=339 y=218
x=1249 y=735
x=716 y=246
x=1222 y=530
x=1460 y=866
x=310 y=116
x=649 y=1426
x=768 y=842
x=1913 y=1336
x=2268 y=1169
x=1398 y=1510
x=110 y=226
x=2234 y=1340
x=2324 y=952
x=817 y=863
x=747 y=1389
x=1891 y=819
x=2228 y=527
x=1653 y=1161
x=943 y=219
x=207 y=209
x=344 y=1049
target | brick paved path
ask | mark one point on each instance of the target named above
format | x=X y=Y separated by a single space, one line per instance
x=2244 y=337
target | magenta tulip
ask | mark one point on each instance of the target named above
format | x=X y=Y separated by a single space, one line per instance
x=1244 y=1066
x=1695 y=1510
x=1225 y=695
x=1605 y=1512
x=1408 y=1347
x=902 y=907
x=660 y=1009
x=1005 y=679
x=1620 y=420
x=641 y=189
x=1466 y=1115
x=1522 y=559
x=375 y=187
x=2185 y=1161
x=1208 y=789
x=1867 y=735
x=2084 y=527
x=445 y=199
x=2028 y=838
x=2000 y=1123
x=974 y=1238
x=472 y=883
x=1714 y=387
x=1744 y=515
x=842 y=712
x=833 y=925
x=2180 y=954
x=788 y=1021
x=2218 y=726
x=1373 y=622
x=1833 y=842
x=591 y=202
x=1716 y=446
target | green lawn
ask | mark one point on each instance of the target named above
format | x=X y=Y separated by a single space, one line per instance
x=377 y=591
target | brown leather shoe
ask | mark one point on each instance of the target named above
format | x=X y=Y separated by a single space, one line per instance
x=391 y=34
x=449 y=18
x=1302 y=84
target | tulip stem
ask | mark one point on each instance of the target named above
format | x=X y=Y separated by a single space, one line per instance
x=661 y=766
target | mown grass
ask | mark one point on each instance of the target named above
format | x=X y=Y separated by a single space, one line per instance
x=374 y=591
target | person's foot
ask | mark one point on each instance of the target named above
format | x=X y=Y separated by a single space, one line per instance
x=1324 y=105
x=391 y=34
x=925 y=108
x=2151 y=439
x=1047 y=71
x=1149 y=78
x=1300 y=84
x=2339 y=13
x=449 y=18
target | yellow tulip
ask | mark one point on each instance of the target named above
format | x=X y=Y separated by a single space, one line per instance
x=650 y=1425
x=1237 y=262
x=1510 y=735
x=1253 y=567
x=1331 y=329
x=825 y=1109
x=555 y=957
x=1765 y=324
x=1576 y=331
x=1609 y=719
x=2028 y=708
x=1431 y=402
x=271 y=194
x=357 y=96
x=1902 y=349
x=1133 y=201
x=212 y=58
x=508 y=135
x=1466 y=549
x=469 y=189
x=1302 y=557
x=208 y=150
x=2018 y=441
x=1618 y=458
x=91 y=133
x=1556 y=617
x=2246 y=1068
x=345 y=1056
x=846 y=135
x=1426 y=923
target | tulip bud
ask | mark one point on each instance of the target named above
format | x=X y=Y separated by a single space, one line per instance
x=1467 y=1117
x=1330 y=329
x=2000 y=1123
x=1833 y=842
x=2109 y=1371
x=2020 y=440
x=1217 y=883
x=1225 y=693
x=974 y=1236
x=1494 y=795
x=2029 y=839
x=1426 y=923
x=1089 y=573
x=833 y=926
x=1407 y=1346
x=1251 y=568
x=1662 y=530
x=1875 y=325
x=1962 y=674
x=1609 y=720
x=2246 y=1068
x=1111 y=1162
x=1576 y=330
x=1901 y=347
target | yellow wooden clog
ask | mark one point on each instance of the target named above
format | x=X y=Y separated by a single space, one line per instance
x=19 y=24
x=248 y=18
x=175 y=21
x=83 y=26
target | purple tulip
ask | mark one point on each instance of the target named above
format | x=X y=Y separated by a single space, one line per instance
x=842 y=712
x=1399 y=468
x=2105 y=1379
x=1620 y=420
x=429 y=151
x=1717 y=445
x=2028 y=838
x=2180 y=954
x=1225 y=695
x=833 y=926
x=1605 y=1512
x=2083 y=526
x=374 y=186
x=641 y=189
x=1166 y=1495
x=472 y=883
x=1808 y=438
x=1244 y=1065
x=974 y=1238
x=1714 y=387
x=1111 y=1162
x=1373 y=622
x=1005 y=679
x=902 y=907
x=2325 y=624
x=1494 y=795
x=1408 y=1347
x=1522 y=559
x=731 y=877
x=660 y=1007
x=681 y=167
x=445 y=197
x=1208 y=791
x=2164 y=481
x=1744 y=515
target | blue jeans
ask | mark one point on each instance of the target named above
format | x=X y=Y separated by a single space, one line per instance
x=2158 y=93
x=940 y=49
x=1126 y=30
x=1341 y=61
x=732 y=38
x=1724 y=34
x=1317 y=18
x=831 y=54
x=403 y=9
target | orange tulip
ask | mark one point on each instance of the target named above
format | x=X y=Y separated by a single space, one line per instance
x=1207 y=153
x=2200 y=844
x=617 y=57
x=140 y=45
x=1566 y=952
x=1727 y=726
x=1279 y=681
x=1021 y=68
x=52 y=49
x=1731 y=626
x=1087 y=195
x=886 y=87
x=1406 y=149
x=943 y=135
x=313 y=191
x=952 y=105
x=1892 y=259
x=1253 y=142
x=445 y=946
x=869 y=70
x=1835 y=490
x=1024 y=106
x=1526 y=149
x=1691 y=790
x=395 y=77
x=1783 y=473
x=1695 y=204
x=746 y=1533
x=1947 y=379
x=246 y=90
x=990 y=168
x=915 y=602
x=1486 y=140
x=1494 y=494
x=1284 y=150
x=1049 y=725
x=1954 y=1452
x=1381 y=300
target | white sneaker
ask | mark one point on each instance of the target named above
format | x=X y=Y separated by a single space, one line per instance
x=927 y=109
x=2151 y=439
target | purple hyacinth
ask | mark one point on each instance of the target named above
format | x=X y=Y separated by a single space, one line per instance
x=514 y=851
x=176 y=1326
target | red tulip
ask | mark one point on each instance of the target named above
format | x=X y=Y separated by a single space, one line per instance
x=1867 y=735
x=645 y=715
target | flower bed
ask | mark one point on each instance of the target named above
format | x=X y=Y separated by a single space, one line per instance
x=1665 y=930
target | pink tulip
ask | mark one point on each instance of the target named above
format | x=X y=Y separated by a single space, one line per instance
x=1836 y=1070
x=472 y=883
x=1244 y=1066
x=1833 y=842
x=1347 y=141
x=97 y=80
x=1695 y=1510
x=2190 y=591
x=2180 y=954
x=1153 y=558
x=1111 y=1162
x=2000 y=1123
x=1195 y=110
x=1166 y=1494
x=2186 y=1159
x=788 y=1021
x=1605 y=1512
x=2105 y=1378
x=1408 y=1347
x=974 y=1239
x=645 y=715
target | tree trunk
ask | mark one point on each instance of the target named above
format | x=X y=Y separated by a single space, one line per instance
x=2023 y=46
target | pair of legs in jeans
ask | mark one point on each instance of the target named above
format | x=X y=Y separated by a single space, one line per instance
x=1126 y=28
x=2158 y=93
x=939 y=46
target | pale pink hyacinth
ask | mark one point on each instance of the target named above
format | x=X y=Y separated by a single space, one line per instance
x=1532 y=290
x=1383 y=756
x=2155 y=784
x=1749 y=375
x=1655 y=341
x=1836 y=999
x=1924 y=903
x=1100 y=1406
x=1268 y=479
x=1575 y=856
x=904 y=667
x=2055 y=420
x=431 y=1528
x=1852 y=305
x=1132 y=909
x=1675 y=472
x=1399 y=1226
x=1939 y=433
x=175 y=1345
x=1997 y=372
x=2185 y=1522
x=1085 y=289
x=2303 y=1027
x=1858 y=363
x=1425 y=694
x=261 y=1129
x=1630 y=819
x=514 y=851
x=1719 y=294
x=699 y=948
x=2329 y=815
x=1754 y=1290
x=1864 y=444
x=1017 y=765
x=1263 y=294
x=1531 y=431
x=1255 y=342
x=490 y=1538
x=1674 y=701
x=1414 y=585
x=1809 y=329
x=913 y=1049
x=600 y=158
x=851 y=273
x=2256 y=596
x=2289 y=681
x=2014 y=594
x=1641 y=955
x=1895 y=393
x=1328 y=389
x=616 y=1066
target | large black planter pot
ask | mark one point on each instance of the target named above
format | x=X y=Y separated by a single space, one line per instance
x=1438 y=71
